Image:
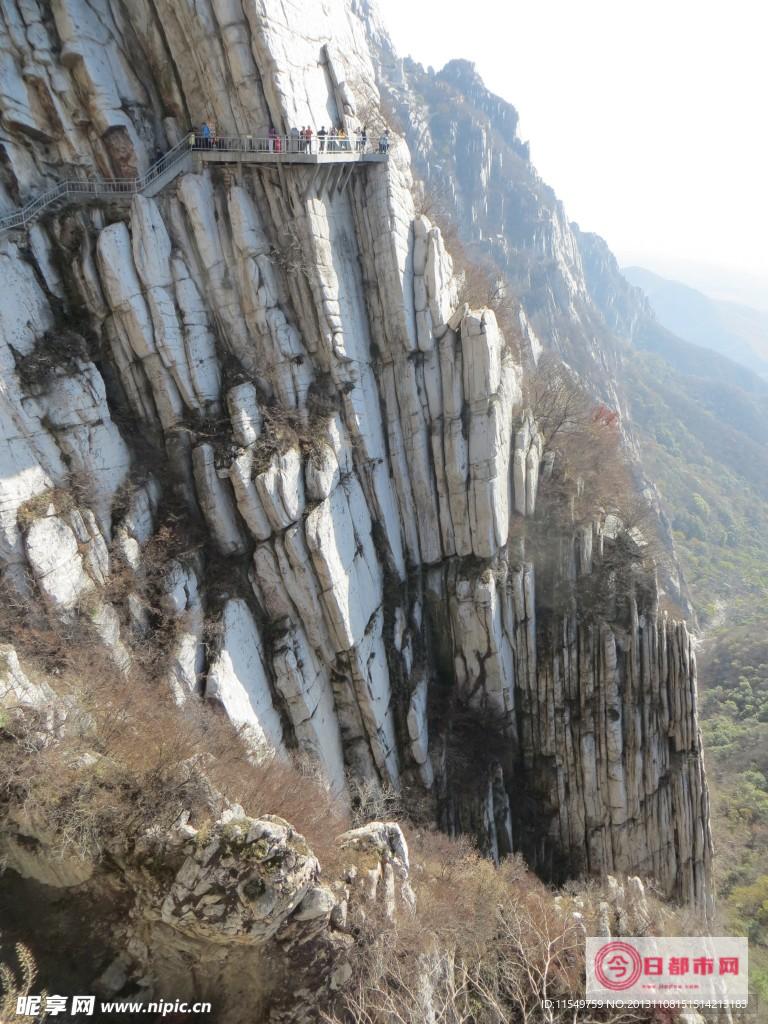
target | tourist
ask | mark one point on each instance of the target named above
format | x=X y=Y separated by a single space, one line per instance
x=272 y=137
x=364 y=139
x=205 y=135
x=322 y=135
x=384 y=141
x=358 y=138
x=343 y=140
x=294 y=142
x=308 y=139
x=332 y=136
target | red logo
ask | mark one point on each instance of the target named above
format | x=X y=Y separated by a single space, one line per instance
x=617 y=966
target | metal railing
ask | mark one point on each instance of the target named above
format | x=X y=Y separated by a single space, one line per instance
x=105 y=187
x=288 y=145
x=275 y=147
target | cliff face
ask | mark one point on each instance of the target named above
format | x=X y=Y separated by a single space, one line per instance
x=477 y=172
x=281 y=377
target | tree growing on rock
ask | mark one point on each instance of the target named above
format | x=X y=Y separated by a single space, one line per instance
x=588 y=488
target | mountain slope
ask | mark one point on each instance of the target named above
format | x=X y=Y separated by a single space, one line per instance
x=698 y=418
x=735 y=331
x=702 y=404
x=710 y=466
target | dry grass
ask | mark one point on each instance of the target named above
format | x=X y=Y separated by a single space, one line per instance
x=16 y=981
x=37 y=506
x=128 y=758
x=285 y=428
x=591 y=482
x=58 y=645
x=55 y=351
x=485 y=945
x=483 y=287
x=592 y=473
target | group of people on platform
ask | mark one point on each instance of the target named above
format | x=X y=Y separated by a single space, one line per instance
x=298 y=140
x=336 y=140
x=332 y=140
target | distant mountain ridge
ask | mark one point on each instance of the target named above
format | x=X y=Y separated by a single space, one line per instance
x=738 y=332
x=699 y=414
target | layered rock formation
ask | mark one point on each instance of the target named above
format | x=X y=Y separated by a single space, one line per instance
x=242 y=901
x=476 y=173
x=287 y=384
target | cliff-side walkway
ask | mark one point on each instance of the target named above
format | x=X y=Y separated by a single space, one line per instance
x=278 y=149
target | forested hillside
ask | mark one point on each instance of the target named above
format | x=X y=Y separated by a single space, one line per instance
x=703 y=424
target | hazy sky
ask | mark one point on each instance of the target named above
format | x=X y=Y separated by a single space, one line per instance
x=648 y=119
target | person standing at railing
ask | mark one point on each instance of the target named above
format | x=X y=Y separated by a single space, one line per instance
x=322 y=135
x=294 y=140
x=332 y=139
x=308 y=139
x=364 y=139
x=384 y=141
x=272 y=138
x=205 y=135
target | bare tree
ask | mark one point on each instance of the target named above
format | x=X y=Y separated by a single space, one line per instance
x=485 y=945
x=558 y=404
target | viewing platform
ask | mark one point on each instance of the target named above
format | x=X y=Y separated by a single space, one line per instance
x=285 y=149
x=324 y=154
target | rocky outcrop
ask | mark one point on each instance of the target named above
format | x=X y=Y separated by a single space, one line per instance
x=289 y=386
x=477 y=174
x=242 y=898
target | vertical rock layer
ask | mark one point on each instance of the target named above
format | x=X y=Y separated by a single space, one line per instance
x=291 y=374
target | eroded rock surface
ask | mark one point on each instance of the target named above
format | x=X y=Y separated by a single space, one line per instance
x=289 y=374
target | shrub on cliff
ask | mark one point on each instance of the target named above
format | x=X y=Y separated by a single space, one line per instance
x=124 y=757
x=487 y=945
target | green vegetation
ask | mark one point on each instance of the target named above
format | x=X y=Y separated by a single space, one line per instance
x=705 y=440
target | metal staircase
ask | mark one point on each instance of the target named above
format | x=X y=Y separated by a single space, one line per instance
x=157 y=177
x=226 y=149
